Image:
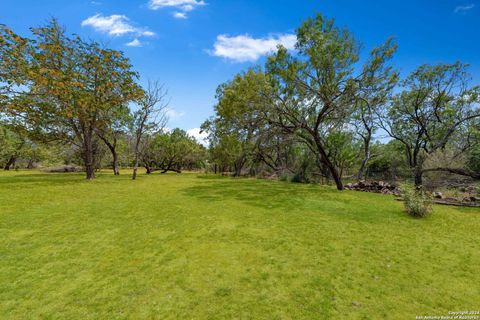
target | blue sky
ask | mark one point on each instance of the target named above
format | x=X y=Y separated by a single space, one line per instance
x=193 y=45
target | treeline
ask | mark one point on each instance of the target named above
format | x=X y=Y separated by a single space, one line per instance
x=64 y=99
x=322 y=111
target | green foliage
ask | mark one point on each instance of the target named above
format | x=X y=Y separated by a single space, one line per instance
x=10 y=143
x=174 y=151
x=436 y=102
x=474 y=159
x=236 y=133
x=342 y=148
x=417 y=202
x=71 y=88
x=388 y=161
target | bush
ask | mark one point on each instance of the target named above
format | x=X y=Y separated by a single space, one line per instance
x=299 y=178
x=416 y=201
x=62 y=169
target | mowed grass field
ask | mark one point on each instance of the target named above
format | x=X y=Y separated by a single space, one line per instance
x=192 y=246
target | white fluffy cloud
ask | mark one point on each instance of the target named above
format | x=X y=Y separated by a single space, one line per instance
x=464 y=9
x=115 y=25
x=181 y=6
x=134 y=43
x=184 y=5
x=201 y=137
x=244 y=48
x=180 y=15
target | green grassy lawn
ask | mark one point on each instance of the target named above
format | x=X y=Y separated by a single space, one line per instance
x=201 y=247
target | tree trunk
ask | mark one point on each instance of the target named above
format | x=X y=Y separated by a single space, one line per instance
x=238 y=170
x=30 y=164
x=90 y=172
x=418 y=176
x=116 y=168
x=238 y=165
x=324 y=159
x=148 y=168
x=113 y=149
x=135 y=167
x=10 y=163
x=89 y=156
x=336 y=177
x=366 y=157
x=135 y=163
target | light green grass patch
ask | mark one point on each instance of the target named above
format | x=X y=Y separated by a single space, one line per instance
x=203 y=247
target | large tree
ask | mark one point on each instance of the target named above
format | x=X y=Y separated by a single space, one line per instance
x=318 y=85
x=436 y=103
x=65 y=85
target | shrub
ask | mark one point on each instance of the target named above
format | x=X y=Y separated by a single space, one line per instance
x=299 y=177
x=65 y=168
x=416 y=201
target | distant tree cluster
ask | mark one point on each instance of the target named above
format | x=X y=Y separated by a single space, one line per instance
x=314 y=113
x=64 y=98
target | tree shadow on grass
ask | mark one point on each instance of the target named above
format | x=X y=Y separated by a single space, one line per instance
x=287 y=197
x=250 y=192
x=262 y=193
x=44 y=179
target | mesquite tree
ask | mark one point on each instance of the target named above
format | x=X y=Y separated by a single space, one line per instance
x=318 y=85
x=436 y=102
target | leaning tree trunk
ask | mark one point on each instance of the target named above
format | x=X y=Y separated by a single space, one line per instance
x=113 y=150
x=10 y=163
x=148 y=168
x=336 y=176
x=332 y=169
